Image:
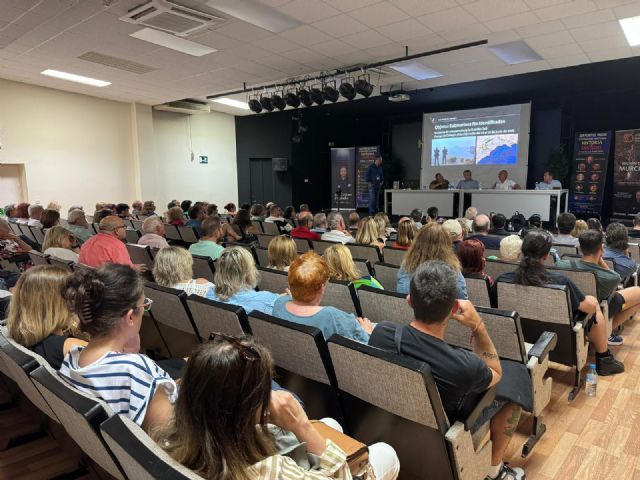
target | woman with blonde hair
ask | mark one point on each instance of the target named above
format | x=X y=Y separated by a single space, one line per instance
x=382 y=223
x=341 y=267
x=431 y=243
x=581 y=226
x=236 y=278
x=38 y=315
x=175 y=216
x=368 y=233
x=407 y=231
x=61 y=243
x=173 y=268
x=282 y=251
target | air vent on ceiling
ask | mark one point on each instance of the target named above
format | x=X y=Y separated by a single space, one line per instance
x=115 y=62
x=188 y=106
x=171 y=16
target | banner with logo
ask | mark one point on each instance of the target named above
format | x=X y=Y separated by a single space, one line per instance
x=343 y=181
x=364 y=157
x=626 y=175
x=591 y=156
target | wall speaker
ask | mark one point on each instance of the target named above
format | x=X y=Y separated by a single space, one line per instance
x=279 y=164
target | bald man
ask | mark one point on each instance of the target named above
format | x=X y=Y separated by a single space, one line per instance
x=504 y=183
x=480 y=227
x=107 y=246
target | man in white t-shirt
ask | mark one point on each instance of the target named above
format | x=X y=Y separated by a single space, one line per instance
x=337 y=231
x=504 y=183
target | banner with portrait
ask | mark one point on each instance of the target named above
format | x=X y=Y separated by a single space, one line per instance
x=626 y=175
x=365 y=156
x=591 y=156
x=343 y=185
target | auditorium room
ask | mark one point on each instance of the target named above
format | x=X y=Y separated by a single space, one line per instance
x=319 y=239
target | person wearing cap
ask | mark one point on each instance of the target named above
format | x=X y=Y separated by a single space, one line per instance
x=454 y=229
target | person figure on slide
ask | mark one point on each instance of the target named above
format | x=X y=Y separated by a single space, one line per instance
x=444 y=155
x=436 y=157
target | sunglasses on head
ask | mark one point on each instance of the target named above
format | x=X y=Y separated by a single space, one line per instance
x=247 y=351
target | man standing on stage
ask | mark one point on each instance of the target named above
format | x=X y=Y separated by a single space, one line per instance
x=374 y=180
x=444 y=155
x=436 y=157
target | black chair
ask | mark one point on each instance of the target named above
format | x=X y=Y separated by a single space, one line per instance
x=341 y=295
x=272 y=280
x=38 y=258
x=257 y=225
x=211 y=316
x=265 y=238
x=140 y=254
x=203 y=267
x=64 y=264
x=387 y=275
x=262 y=254
x=171 y=232
x=188 y=234
x=370 y=252
x=132 y=236
x=495 y=268
x=479 y=289
x=384 y=306
x=394 y=256
x=302 y=244
x=319 y=246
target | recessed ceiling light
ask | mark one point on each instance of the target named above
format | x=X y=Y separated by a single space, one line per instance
x=230 y=102
x=75 y=78
x=516 y=52
x=415 y=70
x=171 y=41
x=631 y=28
x=257 y=14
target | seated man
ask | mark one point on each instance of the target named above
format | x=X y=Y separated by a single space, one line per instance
x=617 y=250
x=624 y=303
x=35 y=214
x=208 y=246
x=480 y=229
x=467 y=183
x=122 y=210
x=504 y=183
x=337 y=231
x=549 y=183
x=305 y=220
x=498 y=222
x=107 y=246
x=153 y=229
x=566 y=223
x=196 y=216
x=354 y=219
x=319 y=223
x=635 y=231
x=78 y=225
x=461 y=376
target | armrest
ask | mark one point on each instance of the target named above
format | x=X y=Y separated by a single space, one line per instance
x=580 y=319
x=545 y=343
x=484 y=402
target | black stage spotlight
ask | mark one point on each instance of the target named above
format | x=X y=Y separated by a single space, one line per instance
x=305 y=98
x=278 y=101
x=254 y=105
x=363 y=86
x=292 y=99
x=316 y=95
x=330 y=93
x=266 y=103
x=346 y=89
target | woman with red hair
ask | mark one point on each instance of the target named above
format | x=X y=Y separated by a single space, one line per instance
x=471 y=256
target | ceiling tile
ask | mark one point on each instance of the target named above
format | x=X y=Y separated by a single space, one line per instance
x=306 y=35
x=512 y=21
x=448 y=20
x=425 y=43
x=470 y=32
x=630 y=10
x=590 y=18
x=613 y=54
x=551 y=40
x=366 y=39
x=308 y=11
x=243 y=31
x=333 y=47
x=545 y=3
x=214 y=39
x=485 y=10
x=601 y=44
x=612 y=3
x=404 y=30
x=544 y=28
x=609 y=29
x=565 y=10
x=382 y=13
x=560 y=51
x=416 y=8
x=277 y=43
x=349 y=5
x=340 y=25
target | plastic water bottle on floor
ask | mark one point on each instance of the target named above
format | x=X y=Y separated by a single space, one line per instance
x=591 y=381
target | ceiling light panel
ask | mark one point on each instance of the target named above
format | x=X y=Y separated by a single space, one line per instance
x=631 y=28
x=513 y=53
x=230 y=102
x=72 y=77
x=174 y=43
x=257 y=14
x=416 y=70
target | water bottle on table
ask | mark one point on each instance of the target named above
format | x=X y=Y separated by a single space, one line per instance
x=591 y=381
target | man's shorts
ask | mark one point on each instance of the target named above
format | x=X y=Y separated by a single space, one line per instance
x=616 y=302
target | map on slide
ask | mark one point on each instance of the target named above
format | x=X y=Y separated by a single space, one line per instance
x=497 y=149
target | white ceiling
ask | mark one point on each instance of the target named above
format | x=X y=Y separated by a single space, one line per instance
x=40 y=34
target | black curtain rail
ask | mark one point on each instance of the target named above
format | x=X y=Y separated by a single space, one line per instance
x=346 y=71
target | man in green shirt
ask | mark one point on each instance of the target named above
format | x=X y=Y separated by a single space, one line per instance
x=208 y=244
x=623 y=304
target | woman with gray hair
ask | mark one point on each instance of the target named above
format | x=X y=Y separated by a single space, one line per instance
x=173 y=268
x=236 y=279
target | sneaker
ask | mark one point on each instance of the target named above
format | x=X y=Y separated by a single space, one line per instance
x=509 y=473
x=608 y=366
x=615 y=339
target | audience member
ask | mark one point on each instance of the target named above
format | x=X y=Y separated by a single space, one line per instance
x=236 y=278
x=566 y=222
x=341 y=267
x=122 y=210
x=289 y=214
x=212 y=210
x=510 y=248
x=633 y=232
x=10 y=211
x=175 y=216
x=581 y=226
x=241 y=229
x=148 y=208
x=173 y=268
x=432 y=243
x=107 y=246
x=471 y=256
x=12 y=247
x=35 y=214
x=594 y=224
x=531 y=271
x=230 y=208
x=136 y=207
x=77 y=224
x=535 y=221
x=407 y=231
x=110 y=304
x=245 y=206
x=98 y=215
x=385 y=230
x=367 y=233
x=196 y=216
x=464 y=226
x=53 y=205
x=153 y=229
x=432 y=214
x=308 y=276
x=617 y=250
x=50 y=218
x=336 y=230
x=185 y=205
x=319 y=223
x=354 y=218
x=469 y=215
x=281 y=252
x=462 y=377
x=257 y=213
x=480 y=228
x=416 y=216
x=305 y=221
x=454 y=230
x=60 y=243
x=549 y=183
x=22 y=213
x=498 y=222
x=304 y=207
x=207 y=245
x=173 y=203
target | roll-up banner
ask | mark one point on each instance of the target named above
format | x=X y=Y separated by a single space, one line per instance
x=343 y=179
x=364 y=157
x=591 y=156
x=626 y=175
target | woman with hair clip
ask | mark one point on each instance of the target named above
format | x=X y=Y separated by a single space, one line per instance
x=226 y=416
x=110 y=303
x=536 y=246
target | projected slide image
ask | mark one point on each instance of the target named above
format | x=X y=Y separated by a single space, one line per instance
x=497 y=149
x=453 y=151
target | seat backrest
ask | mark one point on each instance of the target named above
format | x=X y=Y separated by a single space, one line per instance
x=565 y=249
x=394 y=256
x=81 y=416
x=548 y=303
x=257 y=225
x=273 y=280
x=140 y=254
x=340 y=294
x=585 y=280
x=478 y=289
x=26 y=231
x=634 y=250
x=370 y=252
x=171 y=232
x=15 y=228
x=270 y=228
x=211 y=316
x=302 y=244
x=203 y=267
x=139 y=456
x=319 y=246
x=495 y=268
x=137 y=224
x=387 y=275
x=503 y=328
x=364 y=267
x=96 y=228
x=263 y=256
x=170 y=308
x=188 y=234
x=132 y=236
x=38 y=234
x=64 y=264
x=490 y=252
x=384 y=306
x=265 y=238
x=38 y=258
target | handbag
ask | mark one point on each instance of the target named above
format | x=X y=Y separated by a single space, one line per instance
x=357 y=452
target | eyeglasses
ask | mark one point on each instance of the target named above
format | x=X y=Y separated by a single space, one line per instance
x=247 y=351
x=146 y=305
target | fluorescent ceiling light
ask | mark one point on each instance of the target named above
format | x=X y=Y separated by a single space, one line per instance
x=415 y=70
x=258 y=14
x=75 y=78
x=170 y=41
x=232 y=103
x=516 y=52
x=631 y=28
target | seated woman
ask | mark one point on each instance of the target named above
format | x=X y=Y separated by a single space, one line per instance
x=38 y=316
x=245 y=448
x=431 y=243
x=236 y=278
x=367 y=233
x=531 y=271
x=407 y=231
x=341 y=267
x=510 y=249
x=240 y=229
x=175 y=216
x=384 y=226
x=110 y=303
x=173 y=268
x=308 y=277
x=230 y=208
x=282 y=251
x=471 y=256
x=61 y=243
x=50 y=218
